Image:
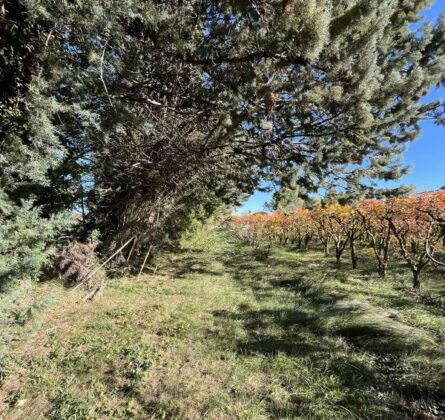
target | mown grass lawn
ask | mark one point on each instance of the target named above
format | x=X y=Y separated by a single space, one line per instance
x=216 y=333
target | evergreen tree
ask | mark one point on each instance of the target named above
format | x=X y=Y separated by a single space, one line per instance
x=29 y=141
x=330 y=90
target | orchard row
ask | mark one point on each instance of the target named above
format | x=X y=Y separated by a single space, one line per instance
x=411 y=228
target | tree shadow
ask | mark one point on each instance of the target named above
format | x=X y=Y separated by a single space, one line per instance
x=191 y=265
x=311 y=329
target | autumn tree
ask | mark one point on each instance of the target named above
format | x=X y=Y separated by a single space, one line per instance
x=378 y=230
x=433 y=204
x=354 y=228
x=338 y=224
x=414 y=224
x=411 y=228
x=302 y=227
x=258 y=230
x=324 y=234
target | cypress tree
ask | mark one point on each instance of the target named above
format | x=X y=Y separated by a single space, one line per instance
x=29 y=142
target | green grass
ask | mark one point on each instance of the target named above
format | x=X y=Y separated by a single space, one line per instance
x=216 y=333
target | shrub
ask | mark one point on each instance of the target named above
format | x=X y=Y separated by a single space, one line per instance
x=75 y=261
x=25 y=240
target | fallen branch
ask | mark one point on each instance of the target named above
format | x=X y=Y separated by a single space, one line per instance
x=92 y=273
x=145 y=261
x=131 y=250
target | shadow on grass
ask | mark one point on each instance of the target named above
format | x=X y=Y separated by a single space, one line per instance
x=191 y=265
x=321 y=316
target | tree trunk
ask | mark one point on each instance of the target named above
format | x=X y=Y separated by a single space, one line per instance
x=382 y=269
x=353 y=253
x=326 y=249
x=416 y=280
x=338 y=253
x=299 y=243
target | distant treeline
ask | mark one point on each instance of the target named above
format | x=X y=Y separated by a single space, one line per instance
x=411 y=228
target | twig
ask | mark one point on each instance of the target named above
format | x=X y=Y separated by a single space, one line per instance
x=145 y=261
x=131 y=250
x=102 y=72
x=92 y=273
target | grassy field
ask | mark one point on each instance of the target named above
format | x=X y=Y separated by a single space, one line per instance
x=216 y=333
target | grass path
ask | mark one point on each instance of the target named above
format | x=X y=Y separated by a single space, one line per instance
x=217 y=334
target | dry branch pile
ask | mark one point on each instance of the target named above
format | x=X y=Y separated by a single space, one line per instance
x=75 y=261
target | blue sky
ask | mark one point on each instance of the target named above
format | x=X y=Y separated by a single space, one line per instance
x=426 y=155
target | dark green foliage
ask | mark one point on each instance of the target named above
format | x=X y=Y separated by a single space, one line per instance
x=24 y=240
x=29 y=142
